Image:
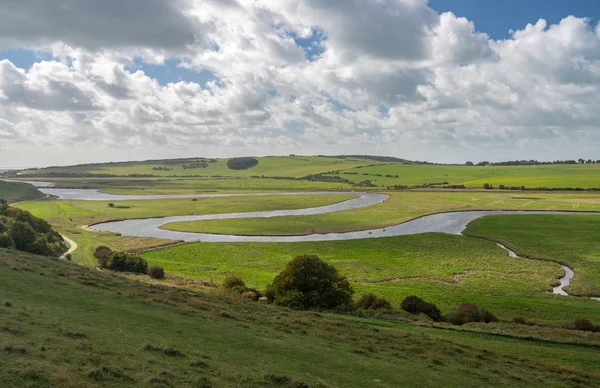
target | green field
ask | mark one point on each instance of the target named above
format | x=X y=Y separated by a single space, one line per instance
x=217 y=176
x=571 y=240
x=15 y=192
x=549 y=176
x=79 y=327
x=445 y=269
x=400 y=207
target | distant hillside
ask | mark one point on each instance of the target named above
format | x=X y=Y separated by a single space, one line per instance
x=14 y=192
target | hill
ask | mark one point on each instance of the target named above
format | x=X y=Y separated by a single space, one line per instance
x=14 y=192
x=80 y=327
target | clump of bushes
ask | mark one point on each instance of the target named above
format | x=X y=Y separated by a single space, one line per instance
x=242 y=163
x=585 y=325
x=122 y=261
x=415 y=305
x=371 y=301
x=6 y=241
x=156 y=272
x=307 y=282
x=469 y=312
x=102 y=253
x=236 y=284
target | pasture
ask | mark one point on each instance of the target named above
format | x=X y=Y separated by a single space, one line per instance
x=14 y=192
x=79 y=327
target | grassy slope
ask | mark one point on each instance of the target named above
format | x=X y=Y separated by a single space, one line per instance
x=18 y=192
x=78 y=327
x=572 y=240
x=293 y=166
x=402 y=206
x=444 y=269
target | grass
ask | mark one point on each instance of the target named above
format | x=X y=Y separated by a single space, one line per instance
x=292 y=166
x=571 y=240
x=400 y=207
x=444 y=269
x=549 y=176
x=79 y=327
x=15 y=192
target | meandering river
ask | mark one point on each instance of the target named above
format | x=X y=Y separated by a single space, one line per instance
x=450 y=222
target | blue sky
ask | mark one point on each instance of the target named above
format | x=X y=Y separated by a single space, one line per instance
x=497 y=17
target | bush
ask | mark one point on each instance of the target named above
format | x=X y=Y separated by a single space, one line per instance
x=102 y=253
x=6 y=241
x=234 y=283
x=585 y=325
x=415 y=305
x=371 y=302
x=124 y=262
x=156 y=272
x=241 y=163
x=308 y=282
x=23 y=235
x=469 y=312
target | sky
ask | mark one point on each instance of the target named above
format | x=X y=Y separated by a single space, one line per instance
x=445 y=81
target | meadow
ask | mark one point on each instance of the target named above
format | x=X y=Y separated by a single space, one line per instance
x=79 y=327
x=570 y=240
x=444 y=269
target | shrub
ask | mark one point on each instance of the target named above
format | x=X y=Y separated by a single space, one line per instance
x=234 y=283
x=469 y=312
x=110 y=204
x=102 y=253
x=308 y=282
x=370 y=301
x=585 y=325
x=23 y=235
x=6 y=241
x=415 y=305
x=124 y=262
x=241 y=163
x=156 y=272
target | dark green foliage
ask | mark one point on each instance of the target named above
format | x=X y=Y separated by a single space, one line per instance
x=308 y=282
x=156 y=272
x=415 y=305
x=469 y=312
x=170 y=352
x=372 y=302
x=28 y=233
x=125 y=262
x=234 y=283
x=585 y=325
x=6 y=241
x=23 y=235
x=102 y=253
x=241 y=163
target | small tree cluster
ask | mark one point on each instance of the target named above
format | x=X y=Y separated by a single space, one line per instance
x=21 y=230
x=242 y=163
x=307 y=282
x=156 y=272
x=125 y=262
x=415 y=305
x=469 y=312
x=371 y=301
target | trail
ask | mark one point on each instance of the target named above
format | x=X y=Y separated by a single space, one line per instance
x=72 y=246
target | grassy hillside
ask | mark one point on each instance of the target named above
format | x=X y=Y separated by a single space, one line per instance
x=291 y=166
x=79 y=327
x=572 y=240
x=15 y=192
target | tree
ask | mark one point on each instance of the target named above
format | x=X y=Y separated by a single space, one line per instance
x=23 y=235
x=156 y=272
x=6 y=241
x=308 y=282
x=469 y=164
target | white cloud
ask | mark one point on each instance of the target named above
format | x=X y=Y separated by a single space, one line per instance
x=393 y=77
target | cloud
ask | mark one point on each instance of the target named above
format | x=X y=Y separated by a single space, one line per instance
x=390 y=76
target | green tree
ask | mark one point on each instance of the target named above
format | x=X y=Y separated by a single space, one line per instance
x=23 y=235
x=6 y=241
x=308 y=282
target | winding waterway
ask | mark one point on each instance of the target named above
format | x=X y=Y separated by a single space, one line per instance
x=450 y=223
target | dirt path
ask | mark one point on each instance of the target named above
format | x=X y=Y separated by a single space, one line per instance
x=72 y=245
